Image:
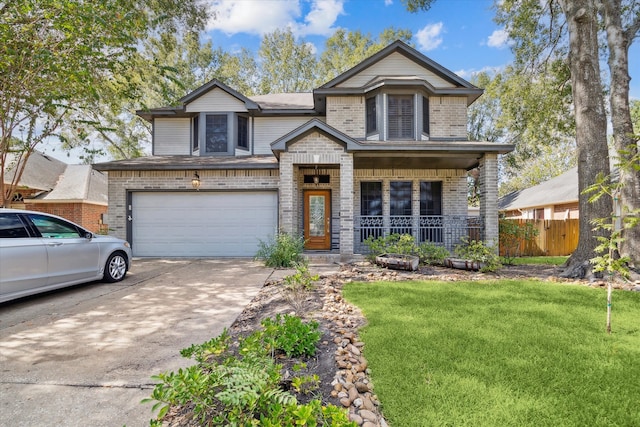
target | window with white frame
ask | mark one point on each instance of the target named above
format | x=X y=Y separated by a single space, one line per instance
x=400 y=117
x=405 y=116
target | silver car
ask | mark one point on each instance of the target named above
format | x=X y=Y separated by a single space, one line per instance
x=40 y=252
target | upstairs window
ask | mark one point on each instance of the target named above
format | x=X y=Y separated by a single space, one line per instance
x=194 y=133
x=400 y=117
x=243 y=132
x=216 y=134
x=372 y=118
x=425 y=115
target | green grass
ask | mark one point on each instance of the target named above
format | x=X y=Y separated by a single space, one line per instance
x=539 y=260
x=501 y=353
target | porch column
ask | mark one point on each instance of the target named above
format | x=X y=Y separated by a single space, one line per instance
x=489 y=198
x=286 y=207
x=346 y=205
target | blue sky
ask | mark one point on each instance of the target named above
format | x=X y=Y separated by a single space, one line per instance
x=458 y=34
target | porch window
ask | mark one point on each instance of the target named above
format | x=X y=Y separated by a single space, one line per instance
x=370 y=210
x=400 y=207
x=400 y=117
x=372 y=118
x=431 y=211
x=216 y=133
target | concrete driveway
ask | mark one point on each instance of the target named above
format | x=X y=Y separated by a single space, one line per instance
x=84 y=356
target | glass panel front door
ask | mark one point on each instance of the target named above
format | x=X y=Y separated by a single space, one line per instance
x=317 y=219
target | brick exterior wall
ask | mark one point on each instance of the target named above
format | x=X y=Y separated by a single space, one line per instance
x=489 y=197
x=454 y=187
x=448 y=117
x=347 y=114
x=88 y=215
x=121 y=182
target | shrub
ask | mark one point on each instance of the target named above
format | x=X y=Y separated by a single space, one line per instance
x=511 y=234
x=297 y=287
x=405 y=244
x=291 y=336
x=476 y=250
x=283 y=250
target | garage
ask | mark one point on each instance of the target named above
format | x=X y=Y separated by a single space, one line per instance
x=202 y=224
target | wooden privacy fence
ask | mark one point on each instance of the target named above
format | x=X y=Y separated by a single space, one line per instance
x=556 y=237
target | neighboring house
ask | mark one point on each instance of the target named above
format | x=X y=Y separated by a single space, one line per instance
x=380 y=149
x=75 y=192
x=556 y=198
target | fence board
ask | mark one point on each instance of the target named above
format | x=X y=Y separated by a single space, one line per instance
x=556 y=237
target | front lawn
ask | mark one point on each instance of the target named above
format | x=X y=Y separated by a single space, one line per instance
x=501 y=353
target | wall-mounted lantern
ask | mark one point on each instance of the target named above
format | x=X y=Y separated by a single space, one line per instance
x=195 y=181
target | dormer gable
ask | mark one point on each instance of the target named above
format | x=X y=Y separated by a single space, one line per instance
x=397 y=66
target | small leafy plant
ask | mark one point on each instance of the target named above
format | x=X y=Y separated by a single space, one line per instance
x=290 y=335
x=405 y=244
x=283 y=250
x=477 y=251
x=297 y=287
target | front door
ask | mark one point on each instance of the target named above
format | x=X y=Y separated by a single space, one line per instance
x=317 y=219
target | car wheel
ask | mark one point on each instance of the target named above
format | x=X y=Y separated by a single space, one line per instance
x=116 y=267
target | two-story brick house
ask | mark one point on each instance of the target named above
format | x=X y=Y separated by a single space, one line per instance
x=380 y=149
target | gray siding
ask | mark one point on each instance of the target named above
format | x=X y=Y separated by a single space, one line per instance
x=395 y=64
x=171 y=136
x=216 y=100
x=268 y=129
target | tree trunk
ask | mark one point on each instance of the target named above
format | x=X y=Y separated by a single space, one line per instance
x=591 y=126
x=626 y=145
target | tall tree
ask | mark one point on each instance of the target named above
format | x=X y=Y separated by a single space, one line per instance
x=287 y=65
x=57 y=54
x=619 y=38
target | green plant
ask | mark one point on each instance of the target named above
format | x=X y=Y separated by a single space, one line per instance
x=297 y=286
x=476 y=250
x=511 y=235
x=430 y=253
x=244 y=390
x=405 y=244
x=306 y=383
x=291 y=335
x=283 y=250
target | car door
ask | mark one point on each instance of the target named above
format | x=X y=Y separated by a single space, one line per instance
x=23 y=258
x=71 y=256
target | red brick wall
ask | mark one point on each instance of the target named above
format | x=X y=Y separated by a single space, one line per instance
x=87 y=215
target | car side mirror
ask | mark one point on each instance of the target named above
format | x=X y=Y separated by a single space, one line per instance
x=88 y=235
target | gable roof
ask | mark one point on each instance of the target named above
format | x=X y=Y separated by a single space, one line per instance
x=460 y=86
x=61 y=182
x=215 y=83
x=41 y=172
x=561 y=189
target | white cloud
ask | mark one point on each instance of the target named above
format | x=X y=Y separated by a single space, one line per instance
x=468 y=74
x=388 y=2
x=264 y=16
x=321 y=17
x=498 y=39
x=429 y=37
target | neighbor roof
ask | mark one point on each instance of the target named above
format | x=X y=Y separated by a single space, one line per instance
x=561 y=189
x=40 y=173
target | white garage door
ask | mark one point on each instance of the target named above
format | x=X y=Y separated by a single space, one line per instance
x=202 y=224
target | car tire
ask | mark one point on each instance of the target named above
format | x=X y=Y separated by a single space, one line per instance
x=116 y=267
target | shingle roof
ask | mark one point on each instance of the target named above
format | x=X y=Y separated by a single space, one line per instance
x=40 y=173
x=561 y=189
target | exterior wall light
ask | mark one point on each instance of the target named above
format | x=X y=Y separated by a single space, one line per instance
x=195 y=181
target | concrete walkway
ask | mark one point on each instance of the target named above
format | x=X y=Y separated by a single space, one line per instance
x=84 y=356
